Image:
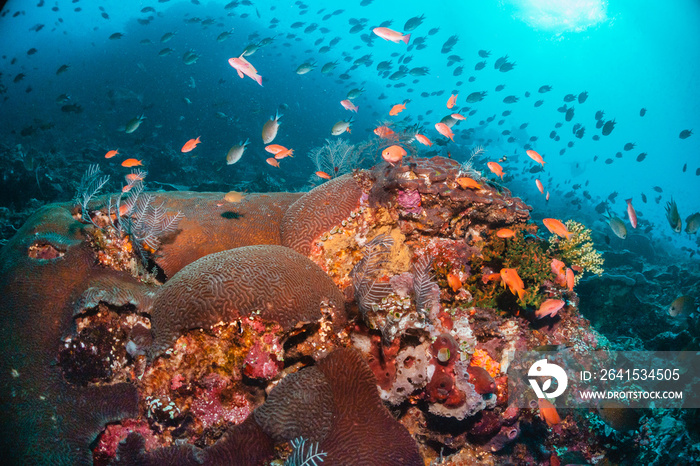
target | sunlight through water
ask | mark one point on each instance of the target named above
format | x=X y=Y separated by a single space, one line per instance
x=560 y=16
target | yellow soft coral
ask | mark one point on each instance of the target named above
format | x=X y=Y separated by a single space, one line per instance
x=578 y=250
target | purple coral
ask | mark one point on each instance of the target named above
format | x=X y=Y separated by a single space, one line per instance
x=410 y=201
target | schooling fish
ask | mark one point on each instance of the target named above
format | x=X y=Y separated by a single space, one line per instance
x=692 y=223
x=423 y=140
x=270 y=128
x=557 y=227
x=391 y=35
x=191 y=144
x=235 y=153
x=445 y=130
x=674 y=219
x=631 y=213
x=496 y=169
x=244 y=68
x=394 y=154
x=341 y=127
x=396 y=109
x=133 y=124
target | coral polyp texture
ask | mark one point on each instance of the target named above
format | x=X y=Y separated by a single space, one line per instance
x=287 y=324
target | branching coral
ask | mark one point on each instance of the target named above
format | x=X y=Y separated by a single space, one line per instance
x=578 y=250
x=522 y=252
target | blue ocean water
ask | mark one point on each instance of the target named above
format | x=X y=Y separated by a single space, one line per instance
x=627 y=55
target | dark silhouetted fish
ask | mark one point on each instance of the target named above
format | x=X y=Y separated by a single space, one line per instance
x=500 y=61
x=608 y=127
x=685 y=134
x=480 y=65
x=642 y=112
x=641 y=156
x=569 y=114
x=629 y=146
x=545 y=88
x=539 y=103
x=582 y=97
x=569 y=98
x=599 y=115
x=476 y=97
x=413 y=23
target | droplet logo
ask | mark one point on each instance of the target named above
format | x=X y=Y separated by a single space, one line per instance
x=542 y=368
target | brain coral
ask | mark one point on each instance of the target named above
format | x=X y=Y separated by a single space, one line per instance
x=355 y=428
x=43 y=270
x=283 y=285
x=212 y=225
x=318 y=211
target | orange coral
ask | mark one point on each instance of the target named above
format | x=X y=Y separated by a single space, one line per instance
x=482 y=359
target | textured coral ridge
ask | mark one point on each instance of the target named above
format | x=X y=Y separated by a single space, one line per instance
x=334 y=403
x=43 y=270
x=283 y=285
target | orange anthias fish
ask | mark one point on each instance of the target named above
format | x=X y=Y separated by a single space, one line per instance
x=272 y=161
x=445 y=130
x=548 y=412
x=555 y=226
x=423 y=140
x=452 y=100
x=243 y=67
x=394 y=154
x=465 y=182
x=496 y=168
x=558 y=271
x=348 y=105
x=454 y=282
x=549 y=308
x=111 y=154
x=491 y=277
x=570 y=279
x=131 y=163
x=396 y=109
x=284 y=153
x=191 y=144
x=515 y=284
x=535 y=156
x=275 y=148
x=384 y=132
x=631 y=213
x=505 y=233
x=393 y=36
x=458 y=116
x=131 y=177
x=539 y=185
x=323 y=175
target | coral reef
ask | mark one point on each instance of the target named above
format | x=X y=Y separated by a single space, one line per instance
x=578 y=250
x=291 y=318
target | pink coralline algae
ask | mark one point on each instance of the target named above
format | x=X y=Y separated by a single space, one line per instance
x=114 y=433
x=409 y=200
x=261 y=363
x=209 y=409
